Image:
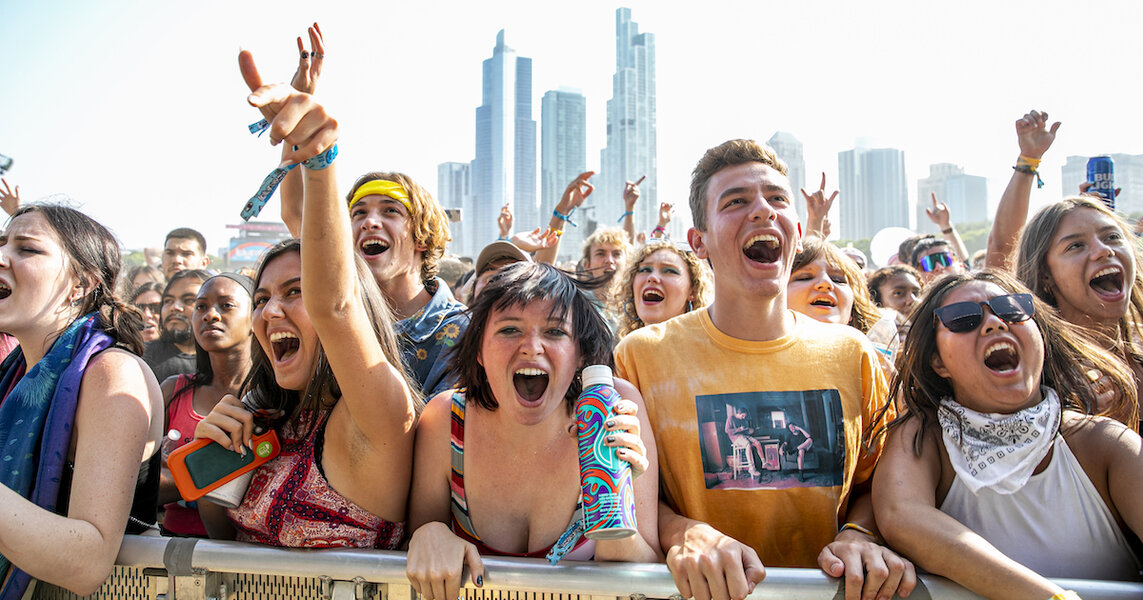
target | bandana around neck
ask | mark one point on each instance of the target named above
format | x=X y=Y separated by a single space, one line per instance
x=995 y=450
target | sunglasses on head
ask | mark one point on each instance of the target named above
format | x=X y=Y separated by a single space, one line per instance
x=932 y=262
x=961 y=317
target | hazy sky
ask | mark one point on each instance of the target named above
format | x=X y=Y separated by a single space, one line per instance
x=136 y=110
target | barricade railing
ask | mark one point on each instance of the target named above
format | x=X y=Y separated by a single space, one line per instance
x=158 y=568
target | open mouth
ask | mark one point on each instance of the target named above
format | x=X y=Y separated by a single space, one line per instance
x=530 y=384
x=823 y=301
x=653 y=297
x=284 y=344
x=373 y=247
x=1108 y=282
x=763 y=248
x=1002 y=358
x=5 y=291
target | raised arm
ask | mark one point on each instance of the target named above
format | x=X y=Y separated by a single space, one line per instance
x=940 y=216
x=574 y=195
x=817 y=210
x=630 y=197
x=905 y=502
x=666 y=210
x=305 y=80
x=374 y=390
x=1034 y=137
x=9 y=199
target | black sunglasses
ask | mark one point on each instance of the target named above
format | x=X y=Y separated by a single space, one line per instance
x=153 y=307
x=962 y=317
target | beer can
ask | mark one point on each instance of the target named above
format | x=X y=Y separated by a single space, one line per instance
x=1101 y=176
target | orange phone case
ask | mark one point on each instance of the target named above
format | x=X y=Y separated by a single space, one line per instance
x=266 y=447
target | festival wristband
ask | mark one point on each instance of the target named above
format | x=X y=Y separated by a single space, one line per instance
x=258 y=201
x=858 y=528
x=625 y=215
x=567 y=217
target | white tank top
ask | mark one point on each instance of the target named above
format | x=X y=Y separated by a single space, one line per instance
x=1057 y=525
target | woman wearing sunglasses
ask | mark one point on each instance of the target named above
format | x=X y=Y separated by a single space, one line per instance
x=1080 y=257
x=997 y=477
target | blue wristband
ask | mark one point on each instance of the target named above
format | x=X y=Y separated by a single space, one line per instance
x=624 y=216
x=567 y=217
x=322 y=160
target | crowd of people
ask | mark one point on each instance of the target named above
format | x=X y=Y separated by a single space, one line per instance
x=429 y=407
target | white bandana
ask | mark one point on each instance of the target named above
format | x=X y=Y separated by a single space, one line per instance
x=995 y=450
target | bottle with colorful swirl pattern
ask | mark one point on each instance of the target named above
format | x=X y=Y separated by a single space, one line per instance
x=608 y=496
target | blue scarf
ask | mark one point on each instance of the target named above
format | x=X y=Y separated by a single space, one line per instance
x=36 y=419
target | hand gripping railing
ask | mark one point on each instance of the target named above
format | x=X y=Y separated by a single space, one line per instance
x=200 y=569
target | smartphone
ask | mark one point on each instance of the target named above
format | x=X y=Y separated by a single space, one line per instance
x=453 y=215
x=6 y=163
x=203 y=465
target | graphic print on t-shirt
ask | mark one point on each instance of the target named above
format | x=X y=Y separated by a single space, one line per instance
x=771 y=440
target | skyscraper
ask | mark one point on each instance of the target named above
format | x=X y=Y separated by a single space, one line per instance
x=453 y=192
x=563 y=156
x=965 y=195
x=789 y=149
x=1128 y=176
x=873 y=191
x=504 y=169
x=631 y=150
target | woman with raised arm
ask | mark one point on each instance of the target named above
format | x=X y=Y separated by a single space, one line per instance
x=497 y=468
x=997 y=476
x=81 y=414
x=349 y=410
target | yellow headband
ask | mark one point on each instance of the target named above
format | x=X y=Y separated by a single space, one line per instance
x=382 y=187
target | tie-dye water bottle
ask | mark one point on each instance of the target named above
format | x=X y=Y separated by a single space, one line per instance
x=608 y=496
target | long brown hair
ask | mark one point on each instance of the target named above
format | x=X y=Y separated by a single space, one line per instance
x=1068 y=354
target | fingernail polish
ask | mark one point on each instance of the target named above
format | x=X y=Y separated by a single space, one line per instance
x=610 y=423
x=610 y=439
x=479 y=580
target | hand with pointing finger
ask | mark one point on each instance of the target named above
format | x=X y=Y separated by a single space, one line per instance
x=939 y=213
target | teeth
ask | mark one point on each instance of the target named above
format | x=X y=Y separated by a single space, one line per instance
x=278 y=336
x=530 y=372
x=1001 y=346
x=368 y=243
x=762 y=237
x=1107 y=271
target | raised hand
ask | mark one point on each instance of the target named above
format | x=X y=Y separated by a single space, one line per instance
x=294 y=116
x=939 y=213
x=666 y=210
x=9 y=198
x=631 y=193
x=309 y=62
x=536 y=239
x=504 y=221
x=1034 y=135
x=576 y=192
x=817 y=208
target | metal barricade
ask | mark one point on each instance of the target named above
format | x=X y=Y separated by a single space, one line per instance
x=156 y=568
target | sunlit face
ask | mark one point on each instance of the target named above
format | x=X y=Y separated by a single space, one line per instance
x=900 y=292
x=1091 y=268
x=995 y=367
x=752 y=231
x=178 y=304
x=955 y=266
x=530 y=360
x=383 y=236
x=282 y=324
x=180 y=254
x=605 y=259
x=821 y=291
x=150 y=304
x=36 y=284
x=662 y=287
x=222 y=316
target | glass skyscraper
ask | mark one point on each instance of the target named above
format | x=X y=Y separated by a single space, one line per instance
x=563 y=156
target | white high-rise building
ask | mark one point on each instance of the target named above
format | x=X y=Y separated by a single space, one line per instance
x=504 y=169
x=631 y=150
x=965 y=195
x=563 y=156
x=873 y=191
x=453 y=193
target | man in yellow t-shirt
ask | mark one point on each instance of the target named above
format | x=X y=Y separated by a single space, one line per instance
x=747 y=373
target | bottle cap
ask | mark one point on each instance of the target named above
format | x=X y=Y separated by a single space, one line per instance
x=597 y=374
x=174 y=435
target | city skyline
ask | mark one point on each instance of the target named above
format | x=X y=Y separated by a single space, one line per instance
x=144 y=126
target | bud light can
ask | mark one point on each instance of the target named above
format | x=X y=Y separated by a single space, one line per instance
x=608 y=494
x=1100 y=174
